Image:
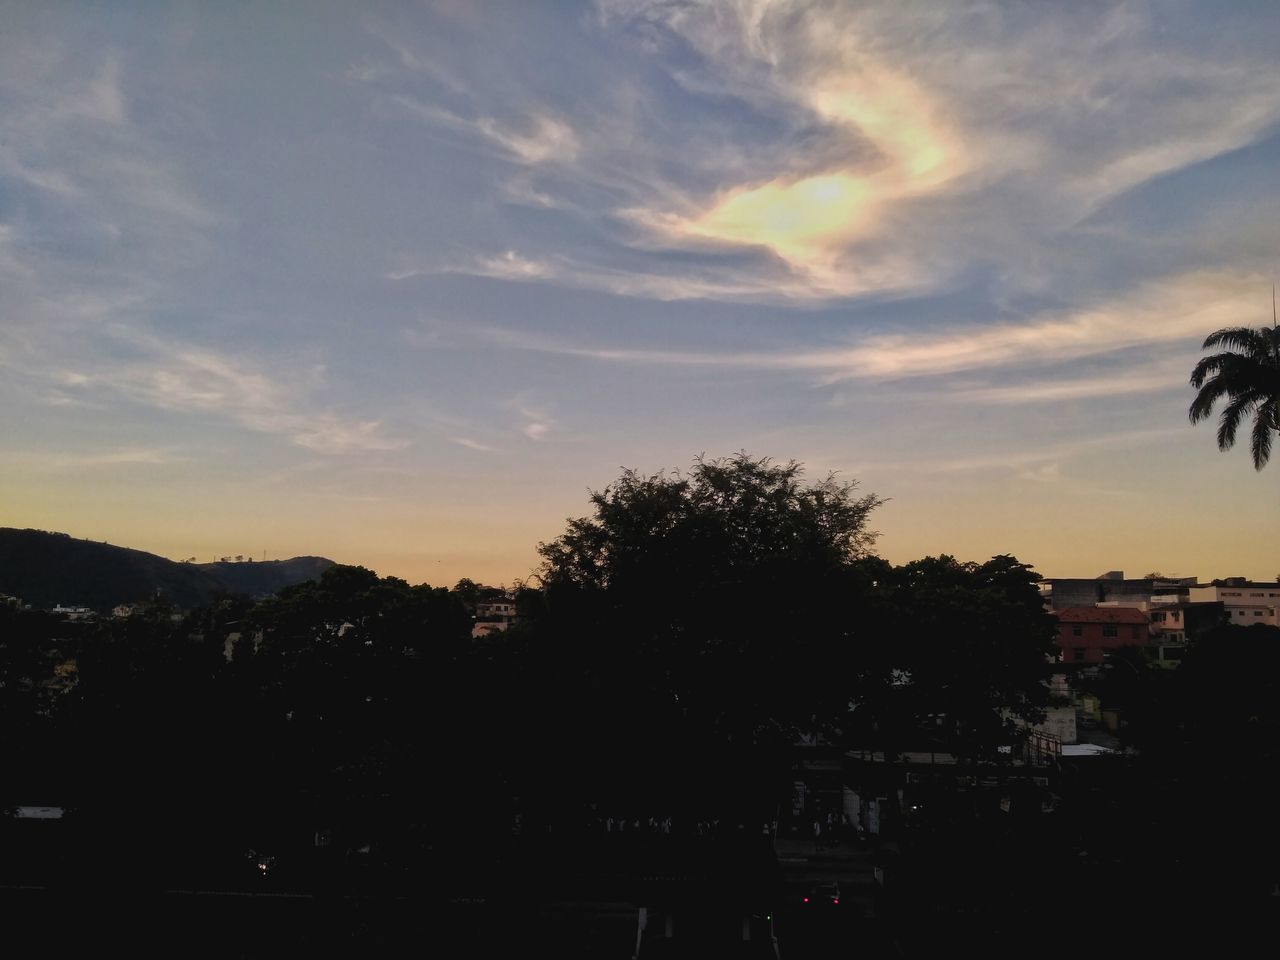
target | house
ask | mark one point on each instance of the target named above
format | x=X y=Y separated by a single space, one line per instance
x=1174 y=624
x=1087 y=634
x=1245 y=601
x=499 y=608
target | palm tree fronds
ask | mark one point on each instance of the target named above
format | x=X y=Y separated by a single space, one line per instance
x=1246 y=375
x=1260 y=441
x=1250 y=342
x=1235 y=411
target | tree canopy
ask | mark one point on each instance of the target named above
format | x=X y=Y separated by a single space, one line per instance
x=721 y=588
x=736 y=606
x=962 y=650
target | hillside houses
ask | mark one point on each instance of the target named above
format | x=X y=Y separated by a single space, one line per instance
x=1176 y=611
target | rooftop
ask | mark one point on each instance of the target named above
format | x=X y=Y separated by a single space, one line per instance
x=1101 y=615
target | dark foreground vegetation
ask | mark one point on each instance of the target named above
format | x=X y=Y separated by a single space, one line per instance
x=351 y=750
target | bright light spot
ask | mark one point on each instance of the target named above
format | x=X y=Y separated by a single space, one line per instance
x=795 y=219
x=813 y=222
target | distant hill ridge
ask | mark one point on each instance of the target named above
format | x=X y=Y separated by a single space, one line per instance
x=45 y=569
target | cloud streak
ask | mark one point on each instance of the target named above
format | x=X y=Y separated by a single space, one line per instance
x=193 y=380
x=536 y=138
x=1041 y=463
x=1179 y=309
x=61 y=461
x=474 y=445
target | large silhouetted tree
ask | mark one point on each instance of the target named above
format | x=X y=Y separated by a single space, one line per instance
x=694 y=618
x=720 y=587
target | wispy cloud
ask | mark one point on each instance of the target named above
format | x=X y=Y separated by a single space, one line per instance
x=61 y=461
x=545 y=138
x=537 y=421
x=75 y=138
x=188 y=379
x=106 y=215
x=1180 y=308
x=1139 y=377
x=474 y=445
x=904 y=143
x=538 y=137
x=755 y=279
x=811 y=217
x=1040 y=463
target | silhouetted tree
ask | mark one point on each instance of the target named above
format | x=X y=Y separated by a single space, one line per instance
x=695 y=620
x=1247 y=376
x=965 y=652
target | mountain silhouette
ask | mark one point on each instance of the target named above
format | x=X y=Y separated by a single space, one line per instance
x=45 y=569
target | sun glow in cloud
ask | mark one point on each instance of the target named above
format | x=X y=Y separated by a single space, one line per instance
x=797 y=220
x=811 y=221
x=899 y=118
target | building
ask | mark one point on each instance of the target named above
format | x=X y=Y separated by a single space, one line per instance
x=73 y=613
x=1244 y=601
x=1087 y=634
x=1173 y=625
x=500 y=608
x=1112 y=587
x=493 y=616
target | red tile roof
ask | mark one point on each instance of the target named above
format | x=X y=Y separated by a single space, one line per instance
x=1100 y=615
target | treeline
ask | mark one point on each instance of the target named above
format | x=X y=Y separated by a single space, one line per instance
x=678 y=641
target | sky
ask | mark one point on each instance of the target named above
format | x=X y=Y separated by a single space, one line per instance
x=400 y=283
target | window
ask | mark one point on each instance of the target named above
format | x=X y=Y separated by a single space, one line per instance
x=1257 y=613
x=1077 y=653
x=1109 y=631
x=1257 y=594
x=1077 y=631
x=1239 y=613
